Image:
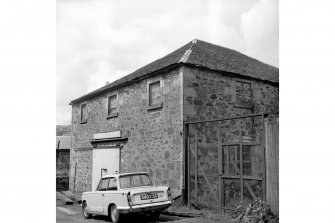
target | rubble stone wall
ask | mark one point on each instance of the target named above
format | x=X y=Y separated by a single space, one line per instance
x=212 y=95
x=62 y=169
x=154 y=136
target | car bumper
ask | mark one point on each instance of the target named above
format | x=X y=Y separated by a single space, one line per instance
x=145 y=207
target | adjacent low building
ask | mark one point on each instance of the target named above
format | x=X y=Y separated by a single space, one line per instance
x=138 y=123
x=63 y=146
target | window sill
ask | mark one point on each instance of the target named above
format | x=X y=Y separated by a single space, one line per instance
x=114 y=115
x=83 y=122
x=156 y=106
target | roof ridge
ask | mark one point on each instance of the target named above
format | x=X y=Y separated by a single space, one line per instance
x=187 y=53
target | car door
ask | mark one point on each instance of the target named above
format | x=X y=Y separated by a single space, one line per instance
x=111 y=194
x=97 y=200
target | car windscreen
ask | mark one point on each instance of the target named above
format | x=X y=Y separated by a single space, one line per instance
x=136 y=180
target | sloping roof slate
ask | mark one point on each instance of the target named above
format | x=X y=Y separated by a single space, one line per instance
x=202 y=54
x=223 y=59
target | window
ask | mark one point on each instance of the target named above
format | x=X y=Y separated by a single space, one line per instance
x=83 y=113
x=246 y=160
x=112 y=184
x=146 y=180
x=103 y=184
x=155 y=97
x=231 y=160
x=112 y=106
x=243 y=94
x=135 y=181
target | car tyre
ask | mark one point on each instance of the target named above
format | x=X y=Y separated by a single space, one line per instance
x=114 y=214
x=85 y=213
x=155 y=215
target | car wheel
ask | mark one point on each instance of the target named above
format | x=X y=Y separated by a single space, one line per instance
x=85 y=213
x=155 y=215
x=114 y=214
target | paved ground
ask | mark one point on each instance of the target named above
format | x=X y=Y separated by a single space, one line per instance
x=72 y=214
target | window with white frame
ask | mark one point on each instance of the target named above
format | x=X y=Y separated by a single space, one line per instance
x=83 y=113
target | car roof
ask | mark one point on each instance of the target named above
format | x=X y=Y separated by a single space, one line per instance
x=123 y=174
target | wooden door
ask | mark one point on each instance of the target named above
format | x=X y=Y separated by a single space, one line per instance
x=272 y=164
x=105 y=161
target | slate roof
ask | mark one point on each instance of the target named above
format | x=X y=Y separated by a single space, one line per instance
x=202 y=54
x=65 y=142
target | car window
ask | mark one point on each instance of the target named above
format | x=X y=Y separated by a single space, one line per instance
x=104 y=184
x=112 y=184
x=125 y=182
x=146 y=180
x=137 y=180
x=99 y=185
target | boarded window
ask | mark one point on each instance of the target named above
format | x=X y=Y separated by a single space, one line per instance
x=243 y=93
x=154 y=93
x=112 y=105
x=83 y=113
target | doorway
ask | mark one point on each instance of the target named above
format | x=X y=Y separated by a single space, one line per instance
x=105 y=161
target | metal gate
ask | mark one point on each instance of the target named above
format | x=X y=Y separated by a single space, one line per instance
x=225 y=161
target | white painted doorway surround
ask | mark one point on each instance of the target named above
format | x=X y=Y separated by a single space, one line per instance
x=105 y=161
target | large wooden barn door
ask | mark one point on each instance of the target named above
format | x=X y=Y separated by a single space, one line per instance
x=242 y=172
x=105 y=161
x=225 y=161
x=272 y=163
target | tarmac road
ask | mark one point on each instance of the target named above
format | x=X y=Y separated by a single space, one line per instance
x=73 y=214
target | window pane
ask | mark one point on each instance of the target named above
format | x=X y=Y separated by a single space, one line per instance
x=246 y=159
x=112 y=184
x=83 y=115
x=104 y=184
x=125 y=182
x=99 y=185
x=154 y=93
x=137 y=181
x=146 y=181
x=112 y=104
x=233 y=160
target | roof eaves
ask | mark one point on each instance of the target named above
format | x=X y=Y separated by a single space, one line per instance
x=230 y=73
x=88 y=96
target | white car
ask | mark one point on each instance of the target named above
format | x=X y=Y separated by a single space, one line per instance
x=125 y=193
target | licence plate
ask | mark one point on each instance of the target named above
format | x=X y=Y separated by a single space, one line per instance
x=149 y=196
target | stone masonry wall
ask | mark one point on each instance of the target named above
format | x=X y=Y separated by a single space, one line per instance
x=154 y=136
x=212 y=95
x=62 y=169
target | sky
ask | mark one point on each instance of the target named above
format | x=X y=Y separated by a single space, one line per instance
x=104 y=40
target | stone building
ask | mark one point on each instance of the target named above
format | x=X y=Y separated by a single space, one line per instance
x=137 y=122
x=63 y=146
